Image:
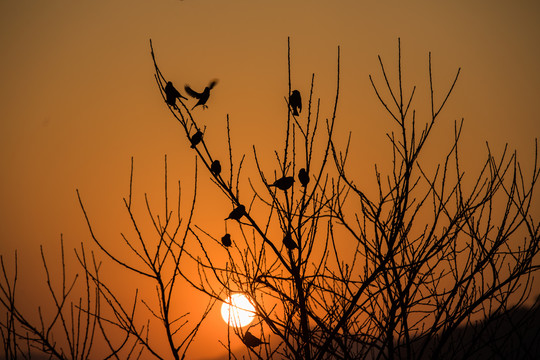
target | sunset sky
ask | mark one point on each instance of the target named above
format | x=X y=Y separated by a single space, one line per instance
x=78 y=97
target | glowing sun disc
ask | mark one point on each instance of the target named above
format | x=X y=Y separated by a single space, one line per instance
x=237 y=310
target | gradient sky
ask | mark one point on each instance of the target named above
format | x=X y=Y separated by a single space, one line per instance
x=78 y=97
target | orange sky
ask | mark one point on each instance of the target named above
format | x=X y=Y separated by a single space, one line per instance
x=78 y=97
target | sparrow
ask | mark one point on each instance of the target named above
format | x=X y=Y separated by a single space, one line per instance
x=260 y=279
x=226 y=240
x=196 y=138
x=237 y=213
x=303 y=176
x=171 y=94
x=252 y=341
x=215 y=167
x=203 y=97
x=283 y=183
x=289 y=242
x=295 y=101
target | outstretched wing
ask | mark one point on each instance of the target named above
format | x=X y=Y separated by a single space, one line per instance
x=192 y=92
x=213 y=83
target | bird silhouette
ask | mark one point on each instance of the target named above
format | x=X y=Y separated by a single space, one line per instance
x=303 y=176
x=226 y=240
x=215 y=167
x=171 y=94
x=283 y=183
x=203 y=97
x=260 y=279
x=295 y=101
x=252 y=341
x=196 y=139
x=237 y=213
x=289 y=242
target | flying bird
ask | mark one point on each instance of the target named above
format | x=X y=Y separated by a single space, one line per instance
x=171 y=94
x=289 y=242
x=295 y=101
x=203 y=97
x=283 y=183
x=237 y=213
x=226 y=240
x=303 y=176
x=196 y=139
x=215 y=167
x=252 y=341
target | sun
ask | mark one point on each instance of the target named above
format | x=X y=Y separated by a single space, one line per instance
x=237 y=310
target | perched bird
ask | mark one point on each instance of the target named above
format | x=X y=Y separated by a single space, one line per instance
x=171 y=94
x=226 y=240
x=237 y=213
x=203 y=97
x=196 y=138
x=303 y=176
x=283 y=183
x=289 y=242
x=252 y=341
x=260 y=279
x=295 y=101
x=215 y=167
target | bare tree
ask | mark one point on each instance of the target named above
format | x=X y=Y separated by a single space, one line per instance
x=158 y=260
x=435 y=252
x=429 y=253
x=64 y=330
x=333 y=270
